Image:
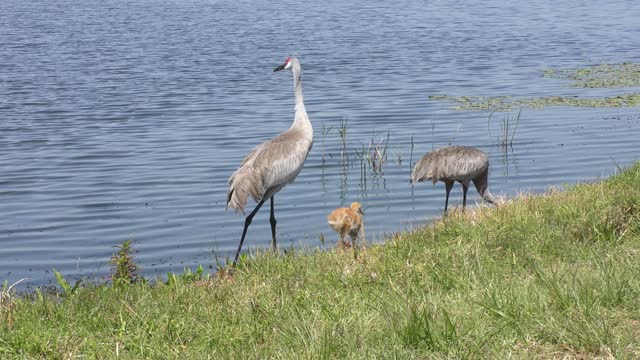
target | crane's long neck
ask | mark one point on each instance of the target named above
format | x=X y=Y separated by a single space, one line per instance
x=483 y=187
x=301 y=118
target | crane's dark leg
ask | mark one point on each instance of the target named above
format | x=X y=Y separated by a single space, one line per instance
x=448 y=187
x=247 y=222
x=465 y=187
x=273 y=222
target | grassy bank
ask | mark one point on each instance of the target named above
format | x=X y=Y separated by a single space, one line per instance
x=550 y=276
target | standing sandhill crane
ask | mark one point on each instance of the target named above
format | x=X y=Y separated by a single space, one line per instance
x=273 y=164
x=455 y=163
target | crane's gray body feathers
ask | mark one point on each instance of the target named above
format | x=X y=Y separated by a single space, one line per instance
x=269 y=167
x=455 y=163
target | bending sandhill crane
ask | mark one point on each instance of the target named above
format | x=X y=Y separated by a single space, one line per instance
x=455 y=163
x=347 y=220
x=273 y=164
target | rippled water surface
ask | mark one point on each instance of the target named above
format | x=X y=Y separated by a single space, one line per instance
x=123 y=120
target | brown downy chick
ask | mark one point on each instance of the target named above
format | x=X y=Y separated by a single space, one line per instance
x=347 y=221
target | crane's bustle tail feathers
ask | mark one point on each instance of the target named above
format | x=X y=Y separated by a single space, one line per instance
x=426 y=168
x=243 y=183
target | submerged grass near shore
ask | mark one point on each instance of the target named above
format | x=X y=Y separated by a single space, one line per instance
x=541 y=276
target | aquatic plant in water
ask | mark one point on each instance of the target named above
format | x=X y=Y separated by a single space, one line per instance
x=508 y=103
x=600 y=76
x=508 y=127
x=342 y=131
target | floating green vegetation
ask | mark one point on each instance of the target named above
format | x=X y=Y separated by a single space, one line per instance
x=508 y=103
x=601 y=76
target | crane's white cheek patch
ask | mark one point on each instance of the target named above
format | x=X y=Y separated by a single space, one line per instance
x=288 y=66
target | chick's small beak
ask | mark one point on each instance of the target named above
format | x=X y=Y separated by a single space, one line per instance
x=281 y=67
x=361 y=211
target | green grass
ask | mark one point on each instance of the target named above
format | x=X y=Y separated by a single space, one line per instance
x=554 y=276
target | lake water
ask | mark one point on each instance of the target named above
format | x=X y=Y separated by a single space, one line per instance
x=123 y=120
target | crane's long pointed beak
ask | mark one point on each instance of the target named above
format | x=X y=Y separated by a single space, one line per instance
x=281 y=67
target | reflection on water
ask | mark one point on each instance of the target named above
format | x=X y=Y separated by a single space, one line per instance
x=118 y=122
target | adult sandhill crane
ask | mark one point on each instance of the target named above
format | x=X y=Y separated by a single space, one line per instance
x=455 y=163
x=273 y=164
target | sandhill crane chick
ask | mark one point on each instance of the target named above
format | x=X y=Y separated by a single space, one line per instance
x=347 y=220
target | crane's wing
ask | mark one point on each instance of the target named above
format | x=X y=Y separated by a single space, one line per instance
x=269 y=165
